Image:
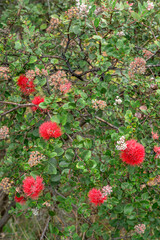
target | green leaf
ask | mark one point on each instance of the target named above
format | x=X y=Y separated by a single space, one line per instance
x=51 y=167
x=135 y=15
x=43 y=26
x=128 y=209
x=32 y=59
x=96 y=22
x=85 y=155
x=17 y=45
x=69 y=154
x=91 y=164
x=63 y=164
x=157 y=43
x=59 y=151
x=56 y=178
x=42 y=82
x=76 y=29
x=80 y=165
x=96 y=37
x=43 y=105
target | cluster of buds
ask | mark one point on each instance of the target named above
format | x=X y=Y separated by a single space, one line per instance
x=155 y=135
x=138 y=66
x=100 y=10
x=35 y=158
x=150 y=5
x=130 y=6
x=147 y=54
x=118 y=100
x=157 y=151
x=83 y=8
x=59 y=81
x=64 y=43
x=54 y=23
x=6 y=185
x=121 y=144
x=31 y=74
x=140 y=228
x=73 y=12
x=99 y=104
x=4 y=73
x=4 y=132
x=120 y=34
x=106 y=190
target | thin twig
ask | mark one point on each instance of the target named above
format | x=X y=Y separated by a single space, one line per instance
x=18 y=106
x=102 y=120
x=45 y=228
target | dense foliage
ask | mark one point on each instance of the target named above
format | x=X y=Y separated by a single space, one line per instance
x=80 y=116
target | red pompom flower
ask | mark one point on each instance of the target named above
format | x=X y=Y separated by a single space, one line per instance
x=96 y=196
x=49 y=130
x=20 y=200
x=33 y=187
x=26 y=85
x=37 y=100
x=134 y=153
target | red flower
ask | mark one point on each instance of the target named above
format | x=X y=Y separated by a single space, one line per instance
x=33 y=187
x=20 y=200
x=27 y=86
x=96 y=196
x=37 y=100
x=134 y=153
x=49 y=130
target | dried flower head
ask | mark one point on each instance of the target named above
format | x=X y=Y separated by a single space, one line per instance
x=35 y=211
x=138 y=115
x=33 y=187
x=4 y=132
x=35 y=158
x=49 y=130
x=47 y=204
x=6 y=185
x=134 y=153
x=96 y=196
